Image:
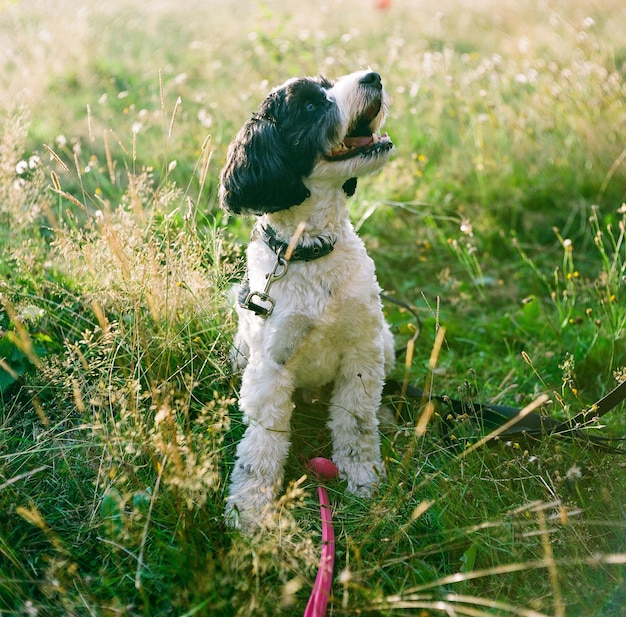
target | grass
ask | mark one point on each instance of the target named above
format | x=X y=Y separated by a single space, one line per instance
x=500 y=219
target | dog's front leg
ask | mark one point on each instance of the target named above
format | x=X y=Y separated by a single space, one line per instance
x=353 y=420
x=266 y=400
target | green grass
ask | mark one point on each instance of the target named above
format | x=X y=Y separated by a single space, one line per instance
x=500 y=219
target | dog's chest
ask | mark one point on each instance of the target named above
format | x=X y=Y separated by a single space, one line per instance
x=313 y=340
x=316 y=363
x=321 y=309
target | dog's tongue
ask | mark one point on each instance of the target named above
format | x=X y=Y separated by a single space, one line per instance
x=358 y=142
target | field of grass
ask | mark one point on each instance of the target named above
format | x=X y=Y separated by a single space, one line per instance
x=501 y=219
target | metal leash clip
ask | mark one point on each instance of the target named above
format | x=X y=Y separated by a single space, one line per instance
x=260 y=302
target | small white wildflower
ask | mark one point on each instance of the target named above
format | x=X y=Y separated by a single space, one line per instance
x=30 y=609
x=181 y=78
x=34 y=161
x=573 y=473
x=523 y=45
x=19 y=184
x=122 y=94
x=345 y=577
x=31 y=314
x=520 y=78
x=205 y=118
x=60 y=141
x=21 y=167
x=466 y=227
x=171 y=166
x=482 y=118
x=589 y=22
x=136 y=127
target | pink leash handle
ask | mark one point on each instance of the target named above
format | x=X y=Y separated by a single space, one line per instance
x=320 y=594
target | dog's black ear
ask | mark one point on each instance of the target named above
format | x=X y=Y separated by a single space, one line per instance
x=260 y=174
x=349 y=187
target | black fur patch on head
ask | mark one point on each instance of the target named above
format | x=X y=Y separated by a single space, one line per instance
x=278 y=147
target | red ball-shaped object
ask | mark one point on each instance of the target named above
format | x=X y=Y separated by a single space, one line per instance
x=323 y=467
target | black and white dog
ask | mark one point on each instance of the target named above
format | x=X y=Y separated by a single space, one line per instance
x=309 y=307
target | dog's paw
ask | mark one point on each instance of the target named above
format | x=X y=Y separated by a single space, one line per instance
x=249 y=501
x=363 y=478
x=253 y=518
x=245 y=521
x=246 y=516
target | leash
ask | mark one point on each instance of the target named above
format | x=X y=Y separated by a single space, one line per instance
x=320 y=594
x=597 y=410
x=493 y=416
x=453 y=412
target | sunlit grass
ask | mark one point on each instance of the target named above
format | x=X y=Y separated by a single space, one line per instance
x=500 y=218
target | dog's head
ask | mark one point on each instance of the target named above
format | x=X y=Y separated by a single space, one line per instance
x=307 y=128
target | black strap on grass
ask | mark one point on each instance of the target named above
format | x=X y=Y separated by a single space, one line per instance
x=489 y=417
x=597 y=410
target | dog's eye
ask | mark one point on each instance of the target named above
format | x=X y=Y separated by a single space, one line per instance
x=311 y=107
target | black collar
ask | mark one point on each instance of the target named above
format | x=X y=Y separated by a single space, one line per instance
x=319 y=247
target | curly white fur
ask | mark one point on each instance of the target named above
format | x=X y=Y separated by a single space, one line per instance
x=327 y=324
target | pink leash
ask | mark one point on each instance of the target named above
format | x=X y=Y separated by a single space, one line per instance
x=318 y=601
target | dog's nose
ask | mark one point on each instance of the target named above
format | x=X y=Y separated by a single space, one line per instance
x=372 y=79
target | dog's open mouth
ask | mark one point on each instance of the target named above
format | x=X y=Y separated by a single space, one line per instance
x=360 y=139
x=358 y=146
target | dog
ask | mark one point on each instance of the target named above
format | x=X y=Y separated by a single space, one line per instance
x=309 y=306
